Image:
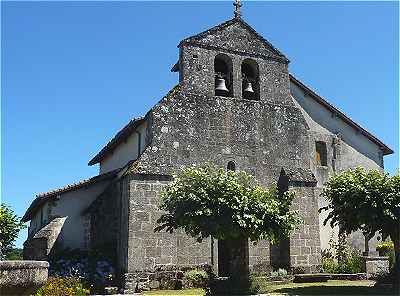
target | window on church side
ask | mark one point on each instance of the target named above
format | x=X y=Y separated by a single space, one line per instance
x=250 y=80
x=231 y=166
x=321 y=153
x=223 y=76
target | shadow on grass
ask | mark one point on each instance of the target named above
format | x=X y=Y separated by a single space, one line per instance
x=330 y=290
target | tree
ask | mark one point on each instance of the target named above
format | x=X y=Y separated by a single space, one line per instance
x=10 y=226
x=206 y=201
x=365 y=200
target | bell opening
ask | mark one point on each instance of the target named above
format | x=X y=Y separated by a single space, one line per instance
x=250 y=86
x=223 y=75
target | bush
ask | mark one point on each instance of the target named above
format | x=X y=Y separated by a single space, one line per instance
x=14 y=254
x=279 y=272
x=93 y=267
x=340 y=258
x=62 y=286
x=196 y=278
x=385 y=247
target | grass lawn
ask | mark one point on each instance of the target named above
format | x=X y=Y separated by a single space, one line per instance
x=197 y=292
x=328 y=288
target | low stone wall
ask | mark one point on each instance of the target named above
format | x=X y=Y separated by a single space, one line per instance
x=22 y=277
x=375 y=265
x=163 y=277
x=348 y=276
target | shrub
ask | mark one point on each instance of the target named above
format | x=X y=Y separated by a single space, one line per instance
x=385 y=247
x=196 y=278
x=14 y=254
x=279 y=272
x=62 y=286
x=340 y=258
x=93 y=267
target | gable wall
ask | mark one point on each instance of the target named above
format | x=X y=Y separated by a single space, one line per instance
x=125 y=151
x=192 y=126
x=354 y=149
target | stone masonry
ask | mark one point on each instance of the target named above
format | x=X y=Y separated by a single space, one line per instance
x=193 y=126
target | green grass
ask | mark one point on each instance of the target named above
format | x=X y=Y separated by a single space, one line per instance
x=328 y=288
x=197 y=292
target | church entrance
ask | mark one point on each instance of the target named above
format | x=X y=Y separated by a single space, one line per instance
x=233 y=257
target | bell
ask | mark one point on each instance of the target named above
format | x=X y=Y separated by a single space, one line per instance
x=249 y=87
x=220 y=85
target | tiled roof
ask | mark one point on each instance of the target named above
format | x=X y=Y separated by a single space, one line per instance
x=385 y=149
x=41 y=198
x=124 y=133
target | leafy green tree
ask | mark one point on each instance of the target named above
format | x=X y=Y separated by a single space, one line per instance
x=15 y=254
x=10 y=226
x=365 y=200
x=207 y=201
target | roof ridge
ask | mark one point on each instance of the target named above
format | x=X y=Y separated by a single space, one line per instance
x=79 y=183
x=45 y=196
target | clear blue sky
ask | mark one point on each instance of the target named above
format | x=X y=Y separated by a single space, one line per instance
x=74 y=73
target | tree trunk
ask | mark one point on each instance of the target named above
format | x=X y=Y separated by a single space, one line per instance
x=239 y=258
x=396 y=270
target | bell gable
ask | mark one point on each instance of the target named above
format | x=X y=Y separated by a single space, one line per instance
x=236 y=36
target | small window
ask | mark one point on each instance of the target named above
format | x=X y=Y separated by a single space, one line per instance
x=231 y=166
x=320 y=153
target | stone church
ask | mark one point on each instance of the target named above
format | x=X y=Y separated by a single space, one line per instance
x=238 y=106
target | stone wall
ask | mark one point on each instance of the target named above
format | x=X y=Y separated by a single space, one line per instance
x=191 y=126
x=104 y=217
x=146 y=250
x=305 y=250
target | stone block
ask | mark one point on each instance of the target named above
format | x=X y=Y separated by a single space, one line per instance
x=143 y=186
x=376 y=265
x=154 y=285
x=152 y=252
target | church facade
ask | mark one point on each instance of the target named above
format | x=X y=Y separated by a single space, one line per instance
x=236 y=105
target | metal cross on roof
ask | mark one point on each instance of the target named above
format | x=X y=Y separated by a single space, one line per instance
x=237 y=5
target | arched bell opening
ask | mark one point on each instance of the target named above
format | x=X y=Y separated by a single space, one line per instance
x=250 y=80
x=223 y=76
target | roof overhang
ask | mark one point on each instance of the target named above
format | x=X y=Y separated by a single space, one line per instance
x=55 y=194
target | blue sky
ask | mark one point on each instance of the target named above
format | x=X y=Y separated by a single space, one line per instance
x=74 y=73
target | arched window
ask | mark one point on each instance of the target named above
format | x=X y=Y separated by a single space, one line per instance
x=250 y=80
x=223 y=76
x=231 y=166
